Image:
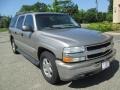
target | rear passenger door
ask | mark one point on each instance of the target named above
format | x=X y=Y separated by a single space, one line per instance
x=12 y=27
x=19 y=32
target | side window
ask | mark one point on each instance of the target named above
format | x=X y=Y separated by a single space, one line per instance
x=13 y=21
x=29 y=21
x=20 y=22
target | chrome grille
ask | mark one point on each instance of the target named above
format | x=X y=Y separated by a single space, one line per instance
x=99 y=46
x=99 y=50
x=101 y=54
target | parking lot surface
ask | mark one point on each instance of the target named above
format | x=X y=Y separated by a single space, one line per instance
x=17 y=73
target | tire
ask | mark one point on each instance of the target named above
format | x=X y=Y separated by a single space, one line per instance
x=14 y=47
x=50 y=75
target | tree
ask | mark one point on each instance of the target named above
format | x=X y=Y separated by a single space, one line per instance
x=66 y=6
x=80 y=16
x=96 y=9
x=110 y=7
x=109 y=17
x=4 y=22
x=90 y=15
x=56 y=7
x=101 y=16
x=37 y=7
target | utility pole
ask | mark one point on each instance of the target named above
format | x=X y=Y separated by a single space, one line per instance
x=96 y=9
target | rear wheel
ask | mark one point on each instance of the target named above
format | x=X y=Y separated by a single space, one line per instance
x=48 y=67
x=14 y=47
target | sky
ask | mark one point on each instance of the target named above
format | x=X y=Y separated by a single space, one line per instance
x=10 y=7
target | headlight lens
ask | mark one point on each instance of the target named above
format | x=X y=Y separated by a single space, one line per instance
x=74 y=49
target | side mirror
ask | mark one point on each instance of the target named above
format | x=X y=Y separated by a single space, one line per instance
x=27 y=28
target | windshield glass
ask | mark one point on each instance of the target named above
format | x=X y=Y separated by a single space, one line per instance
x=50 y=21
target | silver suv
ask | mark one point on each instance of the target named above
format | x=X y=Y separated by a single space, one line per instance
x=59 y=46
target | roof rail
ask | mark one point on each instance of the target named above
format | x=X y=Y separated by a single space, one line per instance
x=19 y=13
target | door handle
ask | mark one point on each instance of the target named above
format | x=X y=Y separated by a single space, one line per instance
x=15 y=32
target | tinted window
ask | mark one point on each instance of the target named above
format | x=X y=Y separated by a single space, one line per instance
x=13 y=21
x=52 y=20
x=29 y=21
x=20 y=21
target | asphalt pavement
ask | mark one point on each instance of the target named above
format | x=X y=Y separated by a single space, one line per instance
x=17 y=73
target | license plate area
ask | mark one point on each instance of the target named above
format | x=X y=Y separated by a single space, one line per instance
x=105 y=65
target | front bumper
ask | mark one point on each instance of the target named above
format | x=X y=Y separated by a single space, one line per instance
x=71 y=71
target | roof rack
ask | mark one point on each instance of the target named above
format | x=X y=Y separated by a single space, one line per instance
x=21 y=13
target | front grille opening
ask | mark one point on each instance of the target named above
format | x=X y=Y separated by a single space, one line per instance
x=93 y=56
x=98 y=46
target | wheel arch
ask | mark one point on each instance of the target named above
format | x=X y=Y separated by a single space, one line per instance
x=11 y=37
x=41 y=50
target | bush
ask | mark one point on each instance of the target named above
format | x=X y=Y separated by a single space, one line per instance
x=104 y=26
x=3 y=29
x=4 y=22
x=116 y=27
x=109 y=17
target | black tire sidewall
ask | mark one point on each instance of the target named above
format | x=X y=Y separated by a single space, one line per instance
x=55 y=77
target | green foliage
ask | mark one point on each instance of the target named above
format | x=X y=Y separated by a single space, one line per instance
x=110 y=7
x=104 y=26
x=80 y=16
x=4 y=22
x=3 y=29
x=116 y=27
x=90 y=15
x=37 y=7
x=109 y=17
x=66 y=6
x=101 y=16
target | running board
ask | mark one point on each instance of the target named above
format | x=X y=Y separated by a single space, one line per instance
x=28 y=57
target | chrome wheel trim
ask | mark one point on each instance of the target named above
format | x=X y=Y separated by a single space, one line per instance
x=13 y=46
x=47 y=68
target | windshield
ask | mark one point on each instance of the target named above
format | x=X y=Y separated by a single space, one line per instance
x=50 y=21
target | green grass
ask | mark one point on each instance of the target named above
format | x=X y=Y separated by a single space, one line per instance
x=3 y=29
x=104 y=26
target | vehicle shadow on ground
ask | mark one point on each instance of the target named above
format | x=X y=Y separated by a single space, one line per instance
x=96 y=79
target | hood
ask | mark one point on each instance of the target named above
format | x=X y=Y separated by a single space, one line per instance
x=77 y=36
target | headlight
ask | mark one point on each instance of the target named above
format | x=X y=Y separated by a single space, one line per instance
x=74 y=49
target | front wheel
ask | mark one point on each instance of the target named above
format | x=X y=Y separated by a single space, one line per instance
x=48 y=67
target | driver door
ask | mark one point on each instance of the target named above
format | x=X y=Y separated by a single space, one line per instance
x=28 y=37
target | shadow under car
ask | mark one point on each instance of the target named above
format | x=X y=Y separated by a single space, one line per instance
x=97 y=78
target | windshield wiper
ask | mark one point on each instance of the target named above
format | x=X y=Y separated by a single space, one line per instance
x=61 y=26
x=65 y=26
x=50 y=28
x=72 y=25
